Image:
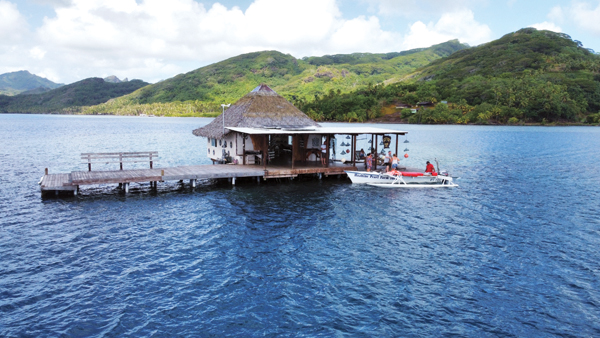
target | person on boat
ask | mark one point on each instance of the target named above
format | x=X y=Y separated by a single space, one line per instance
x=395 y=161
x=361 y=154
x=387 y=160
x=369 y=162
x=429 y=168
x=324 y=153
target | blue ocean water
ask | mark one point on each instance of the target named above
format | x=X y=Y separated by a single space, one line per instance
x=514 y=251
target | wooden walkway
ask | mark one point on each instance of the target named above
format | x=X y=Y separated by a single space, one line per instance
x=54 y=183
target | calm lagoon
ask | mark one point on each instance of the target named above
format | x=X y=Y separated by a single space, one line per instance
x=513 y=251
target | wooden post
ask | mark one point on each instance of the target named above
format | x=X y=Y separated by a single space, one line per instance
x=353 y=150
x=46 y=171
x=89 y=163
x=162 y=173
x=375 y=158
x=244 y=149
x=233 y=181
x=265 y=152
x=121 y=160
x=126 y=188
x=327 y=153
x=293 y=150
x=193 y=182
x=150 y=160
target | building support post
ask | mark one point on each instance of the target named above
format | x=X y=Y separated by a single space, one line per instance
x=294 y=139
x=233 y=181
x=376 y=156
x=397 y=145
x=193 y=183
x=244 y=149
x=265 y=152
x=327 y=153
x=126 y=188
x=353 y=150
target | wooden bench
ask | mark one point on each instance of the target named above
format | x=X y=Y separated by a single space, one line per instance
x=140 y=156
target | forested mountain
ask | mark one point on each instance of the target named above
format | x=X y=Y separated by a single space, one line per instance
x=525 y=76
x=528 y=76
x=21 y=81
x=204 y=89
x=68 y=98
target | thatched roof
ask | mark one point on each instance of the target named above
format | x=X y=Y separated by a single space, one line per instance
x=261 y=108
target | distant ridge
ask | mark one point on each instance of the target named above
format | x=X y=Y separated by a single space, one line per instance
x=68 y=99
x=114 y=79
x=204 y=89
x=21 y=81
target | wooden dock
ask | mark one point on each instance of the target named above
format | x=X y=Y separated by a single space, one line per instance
x=55 y=183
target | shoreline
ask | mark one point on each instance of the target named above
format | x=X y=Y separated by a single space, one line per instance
x=374 y=121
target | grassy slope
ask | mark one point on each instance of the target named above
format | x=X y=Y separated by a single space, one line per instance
x=204 y=89
x=83 y=93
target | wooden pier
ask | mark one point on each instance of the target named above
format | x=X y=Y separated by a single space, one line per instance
x=56 y=183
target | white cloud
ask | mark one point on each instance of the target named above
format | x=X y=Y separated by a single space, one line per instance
x=12 y=24
x=362 y=35
x=37 y=53
x=586 y=17
x=556 y=14
x=155 y=39
x=457 y=25
x=582 y=14
x=549 y=26
x=413 y=7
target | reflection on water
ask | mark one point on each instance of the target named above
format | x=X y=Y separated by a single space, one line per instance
x=512 y=252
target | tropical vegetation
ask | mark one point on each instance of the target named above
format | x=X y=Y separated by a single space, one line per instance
x=202 y=91
x=529 y=76
x=70 y=98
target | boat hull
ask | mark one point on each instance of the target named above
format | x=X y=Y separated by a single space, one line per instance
x=397 y=185
x=363 y=177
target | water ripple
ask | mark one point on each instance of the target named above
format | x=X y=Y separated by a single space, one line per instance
x=512 y=252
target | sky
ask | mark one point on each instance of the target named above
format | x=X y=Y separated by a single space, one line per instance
x=70 y=40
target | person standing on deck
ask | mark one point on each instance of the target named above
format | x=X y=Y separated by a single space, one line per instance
x=429 y=168
x=394 y=162
x=387 y=160
x=324 y=153
x=369 y=161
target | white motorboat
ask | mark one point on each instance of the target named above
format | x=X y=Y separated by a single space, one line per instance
x=401 y=179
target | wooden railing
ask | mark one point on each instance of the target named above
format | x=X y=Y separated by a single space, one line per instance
x=140 y=156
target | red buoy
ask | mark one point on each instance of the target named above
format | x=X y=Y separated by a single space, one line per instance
x=405 y=155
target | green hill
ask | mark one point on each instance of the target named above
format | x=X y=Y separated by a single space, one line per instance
x=525 y=76
x=68 y=98
x=204 y=89
x=21 y=81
